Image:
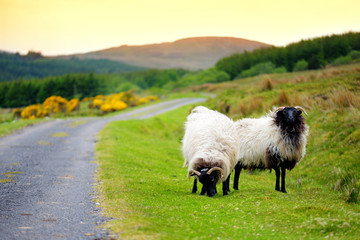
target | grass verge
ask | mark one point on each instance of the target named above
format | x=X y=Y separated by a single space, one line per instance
x=7 y=128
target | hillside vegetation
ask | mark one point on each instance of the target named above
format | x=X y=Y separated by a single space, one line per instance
x=307 y=54
x=145 y=190
x=34 y=65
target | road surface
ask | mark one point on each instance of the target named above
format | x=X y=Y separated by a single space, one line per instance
x=47 y=177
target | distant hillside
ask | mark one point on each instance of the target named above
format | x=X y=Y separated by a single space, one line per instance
x=190 y=53
x=306 y=54
x=34 y=65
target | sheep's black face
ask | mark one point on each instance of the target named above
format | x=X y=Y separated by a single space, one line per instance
x=209 y=181
x=291 y=123
x=290 y=115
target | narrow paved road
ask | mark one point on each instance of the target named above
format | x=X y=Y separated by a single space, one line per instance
x=47 y=176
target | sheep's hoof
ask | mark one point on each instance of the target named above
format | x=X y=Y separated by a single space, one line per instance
x=236 y=188
x=283 y=191
x=225 y=193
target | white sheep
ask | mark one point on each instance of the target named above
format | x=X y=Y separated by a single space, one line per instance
x=210 y=149
x=276 y=141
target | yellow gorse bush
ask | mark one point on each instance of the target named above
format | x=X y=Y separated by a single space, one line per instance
x=73 y=104
x=119 y=101
x=32 y=111
x=109 y=103
x=114 y=102
x=53 y=104
x=148 y=99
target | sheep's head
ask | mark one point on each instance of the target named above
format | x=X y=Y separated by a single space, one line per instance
x=209 y=178
x=290 y=119
x=289 y=114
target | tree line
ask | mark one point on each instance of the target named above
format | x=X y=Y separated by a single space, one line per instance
x=21 y=93
x=34 y=65
x=306 y=54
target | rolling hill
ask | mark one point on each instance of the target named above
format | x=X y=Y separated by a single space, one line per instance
x=189 y=53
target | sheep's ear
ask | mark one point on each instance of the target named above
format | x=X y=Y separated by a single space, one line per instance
x=279 y=112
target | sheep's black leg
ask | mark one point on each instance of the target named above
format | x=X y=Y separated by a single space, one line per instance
x=283 y=173
x=277 y=173
x=224 y=188
x=228 y=183
x=203 y=190
x=195 y=186
x=237 y=175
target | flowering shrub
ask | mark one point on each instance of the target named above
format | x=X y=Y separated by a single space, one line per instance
x=86 y=99
x=114 y=102
x=148 y=99
x=73 y=105
x=106 y=104
x=97 y=102
x=55 y=104
x=118 y=105
x=106 y=108
x=32 y=111
x=119 y=101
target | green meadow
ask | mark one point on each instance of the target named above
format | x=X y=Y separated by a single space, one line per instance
x=144 y=190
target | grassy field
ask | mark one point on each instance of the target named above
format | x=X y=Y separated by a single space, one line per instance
x=144 y=188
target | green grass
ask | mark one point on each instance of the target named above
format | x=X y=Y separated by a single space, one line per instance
x=7 y=128
x=145 y=190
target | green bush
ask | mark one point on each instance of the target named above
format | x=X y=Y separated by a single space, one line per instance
x=260 y=68
x=280 y=70
x=354 y=54
x=342 y=60
x=301 y=65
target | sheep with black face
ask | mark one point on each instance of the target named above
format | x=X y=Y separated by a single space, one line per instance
x=276 y=141
x=210 y=149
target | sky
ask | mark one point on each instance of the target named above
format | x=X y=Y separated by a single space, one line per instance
x=55 y=27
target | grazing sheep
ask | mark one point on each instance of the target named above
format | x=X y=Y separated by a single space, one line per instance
x=210 y=148
x=276 y=141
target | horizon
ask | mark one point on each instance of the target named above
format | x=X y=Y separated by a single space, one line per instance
x=60 y=27
x=135 y=45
